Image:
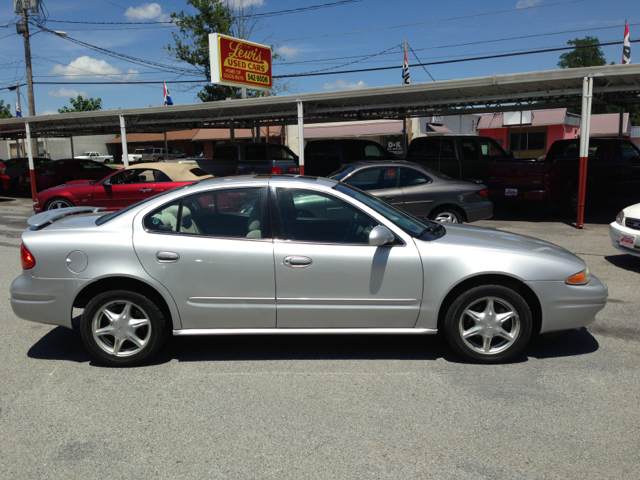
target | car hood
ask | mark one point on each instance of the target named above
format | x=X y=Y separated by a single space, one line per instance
x=74 y=184
x=483 y=238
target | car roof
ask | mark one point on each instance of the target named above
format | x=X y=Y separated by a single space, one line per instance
x=175 y=171
x=272 y=179
x=384 y=163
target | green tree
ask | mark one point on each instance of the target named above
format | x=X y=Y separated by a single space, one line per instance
x=5 y=110
x=192 y=44
x=82 y=105
x=585 y=56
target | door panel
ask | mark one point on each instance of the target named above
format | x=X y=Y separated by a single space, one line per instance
x=217 y=264
x=330 y=277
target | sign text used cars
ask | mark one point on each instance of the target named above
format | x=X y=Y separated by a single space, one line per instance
x=240 y=63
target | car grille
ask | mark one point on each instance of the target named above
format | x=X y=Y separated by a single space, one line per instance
x=633 y=223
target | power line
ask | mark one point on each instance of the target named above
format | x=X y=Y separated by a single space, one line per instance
x=464 y=17
x=322 y=60
x=425 y=68
x=470 y=59
x=239 y=17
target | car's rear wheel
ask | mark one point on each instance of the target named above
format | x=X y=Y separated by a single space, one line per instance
x=107 y=161
x=56 y=203
x=488 y=324
x=122 y=329
x=446 y=215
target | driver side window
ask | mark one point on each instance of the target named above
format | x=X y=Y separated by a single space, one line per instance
x=309 y=216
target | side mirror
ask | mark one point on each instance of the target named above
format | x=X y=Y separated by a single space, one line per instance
x=107 y=182
x=509 y=154
x=380 y=236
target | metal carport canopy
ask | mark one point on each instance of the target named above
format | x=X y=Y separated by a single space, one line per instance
x=615 y=84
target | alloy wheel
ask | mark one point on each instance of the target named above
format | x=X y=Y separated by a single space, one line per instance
x=121 y=328
x=490 y=325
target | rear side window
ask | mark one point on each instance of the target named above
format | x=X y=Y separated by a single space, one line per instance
x=410 y=178
x=198 y=172
x=226 y=152
x=278 y=152
x=219 y=213
x=256 y=153
x=374 y=152
x=374 y=179
x=470 y=150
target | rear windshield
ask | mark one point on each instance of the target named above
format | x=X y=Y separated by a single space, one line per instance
x=198 y=172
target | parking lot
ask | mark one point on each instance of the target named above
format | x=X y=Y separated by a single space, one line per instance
x=327 y=406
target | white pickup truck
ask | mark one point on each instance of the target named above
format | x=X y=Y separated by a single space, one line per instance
x=96 y=157
x=135 y=156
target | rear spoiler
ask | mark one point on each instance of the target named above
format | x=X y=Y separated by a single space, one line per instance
x=50 y=216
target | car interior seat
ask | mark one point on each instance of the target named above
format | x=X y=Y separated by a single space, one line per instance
x=253 y=223
x=187 y=223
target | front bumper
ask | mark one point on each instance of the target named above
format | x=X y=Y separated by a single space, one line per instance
x=6 y=182
x=43 y=300
x=569 y=306
x=615 y=234
x=478 y=211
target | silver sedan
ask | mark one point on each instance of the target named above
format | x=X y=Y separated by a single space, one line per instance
x=298 y=255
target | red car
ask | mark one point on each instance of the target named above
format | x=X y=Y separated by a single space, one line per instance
x=60 y=172
x=122 y=188
x=5 y=181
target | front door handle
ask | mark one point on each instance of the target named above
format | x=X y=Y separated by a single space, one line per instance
x=389 y=198
x=297 y=262
x=167 y=257
x=145 y=190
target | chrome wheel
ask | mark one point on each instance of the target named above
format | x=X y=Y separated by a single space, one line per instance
x=447 y=217
x=57 y=203
x=489 y=325
x=121 y=328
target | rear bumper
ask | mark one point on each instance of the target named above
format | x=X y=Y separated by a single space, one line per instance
x=478 y=211
x=6 y=182
x=48 y=301
x=569 y=306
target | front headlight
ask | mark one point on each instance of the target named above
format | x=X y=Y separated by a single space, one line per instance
x=620 y=218
x=580 y=278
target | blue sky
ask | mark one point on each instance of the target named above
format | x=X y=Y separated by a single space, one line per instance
x=308 y=41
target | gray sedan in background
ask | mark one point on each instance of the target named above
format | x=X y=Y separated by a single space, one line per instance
x=420 y=191
x=271 y=254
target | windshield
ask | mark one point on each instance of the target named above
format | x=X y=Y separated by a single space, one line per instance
x=406 y=222
x=111 y=215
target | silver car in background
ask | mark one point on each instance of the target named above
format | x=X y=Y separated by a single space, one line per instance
x=299 y=255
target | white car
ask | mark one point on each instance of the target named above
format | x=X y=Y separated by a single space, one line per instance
x=625 y=231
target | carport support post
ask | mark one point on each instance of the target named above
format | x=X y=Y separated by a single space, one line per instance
x=32 y=176
x=73 y=155
x=125 y=149
x=301 y=135
x=620 y=121
x=166 y=146
x=587 y=93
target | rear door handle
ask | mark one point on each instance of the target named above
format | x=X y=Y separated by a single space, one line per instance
x=167 y=257
x=297 y=262
x=145 y=190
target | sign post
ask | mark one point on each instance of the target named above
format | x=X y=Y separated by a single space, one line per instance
x=238 y=63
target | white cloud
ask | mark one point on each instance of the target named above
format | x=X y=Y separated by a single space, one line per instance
x=48 y=112
x=88 y=67
x=235 y=4
x=148 y=11
x=527 y=3
x=288 y=52
x=344 y=85
x=68 y=93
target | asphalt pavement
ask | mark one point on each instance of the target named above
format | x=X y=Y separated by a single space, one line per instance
x=329 y=407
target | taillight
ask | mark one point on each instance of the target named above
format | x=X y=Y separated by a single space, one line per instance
x=276 y=170
x=484 y=193
x=28 y=262
x=2 y=169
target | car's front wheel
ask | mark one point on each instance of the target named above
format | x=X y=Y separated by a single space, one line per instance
x=488 y=324
x=122 y=329
x=56 y=203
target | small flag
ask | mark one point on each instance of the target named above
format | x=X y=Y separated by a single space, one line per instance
x=18 y=112
x=626 y=46
x=167 y=95
x=406 y=79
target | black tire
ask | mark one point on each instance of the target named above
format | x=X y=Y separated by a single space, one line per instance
x=145 y=323
x=445 y=214
x=570 y=202
x=107 y=161
x=489 y=326
x=56 y=203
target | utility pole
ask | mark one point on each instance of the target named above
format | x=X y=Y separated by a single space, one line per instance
x=19 y=143
x=27 y=58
